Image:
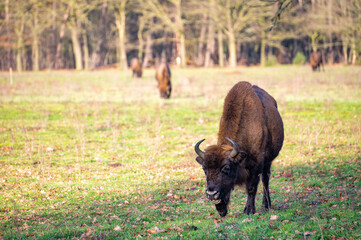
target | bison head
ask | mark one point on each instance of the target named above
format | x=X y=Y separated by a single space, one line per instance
x=165 y=91
x=221 y=166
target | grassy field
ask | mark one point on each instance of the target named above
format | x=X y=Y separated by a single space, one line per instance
x=98 y=155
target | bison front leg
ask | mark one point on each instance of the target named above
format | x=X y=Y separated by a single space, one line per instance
x=251 y=188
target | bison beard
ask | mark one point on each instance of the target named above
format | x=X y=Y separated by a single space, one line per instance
x=250 y=136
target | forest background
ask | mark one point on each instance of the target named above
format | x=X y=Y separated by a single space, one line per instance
x=92 y=34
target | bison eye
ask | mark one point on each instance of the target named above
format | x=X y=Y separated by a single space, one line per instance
x=226 y=170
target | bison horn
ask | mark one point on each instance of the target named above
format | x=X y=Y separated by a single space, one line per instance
x=198 y=151
x=235 y=150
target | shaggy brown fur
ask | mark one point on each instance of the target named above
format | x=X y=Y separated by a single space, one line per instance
x=316 y=61
x=163 y=77
x=136 y=67
x=250 y=118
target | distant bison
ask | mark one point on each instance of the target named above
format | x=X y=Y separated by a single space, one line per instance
x=250 y=136
x=163 y=77
x=316 y=61
x=136 y=67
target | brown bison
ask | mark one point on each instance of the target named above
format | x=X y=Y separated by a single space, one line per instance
x=136 y=67
x=316 y=61
x=163 y=77
x=250 y=136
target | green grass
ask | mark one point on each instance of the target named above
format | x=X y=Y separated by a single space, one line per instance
x=99 y=155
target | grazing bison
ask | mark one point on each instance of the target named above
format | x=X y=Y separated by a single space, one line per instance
x=163 y=77
x=250 y=136
x=136 y=67
x=316 y=61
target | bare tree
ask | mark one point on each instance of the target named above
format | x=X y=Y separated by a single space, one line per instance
x=58 y=56
x=99 y=54
x=172 y=18
x=232 y=18
x=120 y=21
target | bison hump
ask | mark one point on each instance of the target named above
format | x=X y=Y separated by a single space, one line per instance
x=242 y=118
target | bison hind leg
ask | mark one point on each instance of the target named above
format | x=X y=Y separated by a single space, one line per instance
x=265 y=180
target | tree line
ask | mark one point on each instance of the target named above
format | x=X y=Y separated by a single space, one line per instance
x=88 y=34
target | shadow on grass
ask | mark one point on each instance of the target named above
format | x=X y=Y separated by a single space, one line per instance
x=308 y=201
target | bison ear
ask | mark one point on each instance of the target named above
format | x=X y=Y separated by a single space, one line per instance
x=200 y=160
x=241 y=156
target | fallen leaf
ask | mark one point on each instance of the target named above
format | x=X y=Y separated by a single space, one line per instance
x=216 y=222
x=88 y=234
x=247 y=220
x=117 y=228
x=178 y=229
x=99 y=212
x=273 y=218
x=115 y=165
x=116 y=217
x=95 y=221
x=155 y=230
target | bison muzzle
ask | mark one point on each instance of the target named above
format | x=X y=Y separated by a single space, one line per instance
x=250 y=137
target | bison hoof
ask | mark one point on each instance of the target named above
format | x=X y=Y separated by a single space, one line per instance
x=249 y=210
x=266 y=206
x=223 y=214
x=222 y=209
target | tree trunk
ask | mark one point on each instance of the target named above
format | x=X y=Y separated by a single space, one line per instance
x=120 y=22
x=313 y=36
x=353 y=49
x=200 y=55
x=208 y=61
x=58 y=57
x=52 y=53
x=263 y=48
x=330 y=24
x=148 y=50
x=20 y=45
x=140 y=39
x=85 y=51
x=232 y=49
x=181 y=43
x=220 y=49
x=7 y=19
x=231 y=39
x=35 y=44
x=76 y=47
x=35 y=52
x=100 y=45
x=183 y=50
x=19 y=53
x=344 y=49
